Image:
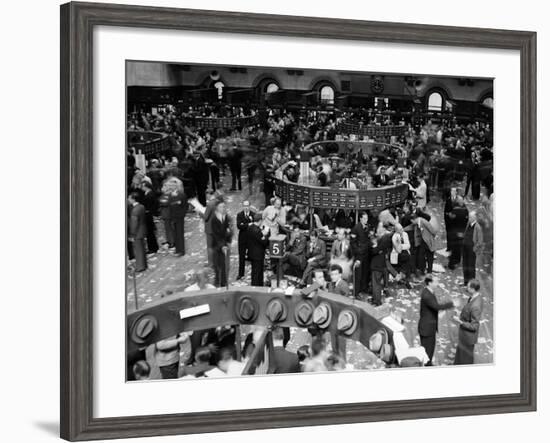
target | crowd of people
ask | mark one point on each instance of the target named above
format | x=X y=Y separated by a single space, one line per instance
x=216 y=356
x=370 y=252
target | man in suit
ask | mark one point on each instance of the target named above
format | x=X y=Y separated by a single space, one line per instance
x=207 y=213
x=337 y=284
x=177 y=203
x=425 y=243
x=429 y=311
x=448 y=217
x=421 y=192
x=150 y=202
x=360 y=246
x=401 y=255
x=235 y=166
x=284 y=362
x=258 y=240
x=137 y=231
x=201 y=172
x=459 y=215
x=294 y=260
x=468 y=325
x=316 y=255
x=221 y=238
x=244 y=219
x=380 y=251
x=382 y=178
x=472 y=247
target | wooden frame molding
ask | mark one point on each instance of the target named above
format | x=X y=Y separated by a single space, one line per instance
x=77 y=23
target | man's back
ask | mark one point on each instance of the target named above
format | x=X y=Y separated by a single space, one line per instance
x=360 y=240
x=256 y=245
x=137 y=221
x=284 y=362
x=429 y=311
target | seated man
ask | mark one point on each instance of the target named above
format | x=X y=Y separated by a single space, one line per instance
x=316 y=255
x=338 y=285
x=318 y=282
x=294 y=260
x=381 y=179
x=400 y=256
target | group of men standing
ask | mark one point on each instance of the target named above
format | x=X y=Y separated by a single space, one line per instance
x=468 y=321
x=252 y=243
x=464 y=235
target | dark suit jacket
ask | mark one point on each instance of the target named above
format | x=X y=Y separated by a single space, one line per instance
x=178 y=205
x=151 y=204
x=429 y=309
x=201 y=172
x=341 y=249
x=319 y=252
x=298 y=249
x=242 y=224
x=360 y=241
x=468 y=331
x=447 y=210
x=381 y=180
x=460 y=220
x=256 y=243
x=208 y=215
x=221 y=232
x=380 y=252
x=284 y=362
x=136 y=226
x=341 y=288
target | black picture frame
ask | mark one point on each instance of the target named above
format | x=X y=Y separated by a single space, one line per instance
x=77 y=23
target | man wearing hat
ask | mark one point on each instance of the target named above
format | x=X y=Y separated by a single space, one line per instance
x=429 y=311
x=258 y=240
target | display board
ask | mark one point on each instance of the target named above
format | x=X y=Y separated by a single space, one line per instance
x=371 y=130
x=148 y=143
x=349 y=199
x=223 y=122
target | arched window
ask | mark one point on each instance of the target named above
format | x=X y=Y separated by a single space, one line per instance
x=435 y=102
x=271 y=87
x=488 y=101
x=327 y=94
x=219 y=86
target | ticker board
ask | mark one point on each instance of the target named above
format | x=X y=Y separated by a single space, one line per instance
x=329 y=198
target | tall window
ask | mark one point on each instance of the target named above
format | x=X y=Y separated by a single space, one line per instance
x=271 y=87
x=488 y=102
x=327 y=94
x=381 y=102
x=219 y=86
x=435 y=102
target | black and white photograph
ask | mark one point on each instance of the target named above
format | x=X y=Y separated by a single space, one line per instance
x=287 y=220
